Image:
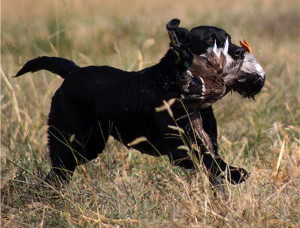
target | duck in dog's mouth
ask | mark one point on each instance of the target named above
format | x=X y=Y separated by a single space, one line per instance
x=213 y=74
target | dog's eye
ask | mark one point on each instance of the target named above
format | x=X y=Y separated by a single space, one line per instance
x=210 y=40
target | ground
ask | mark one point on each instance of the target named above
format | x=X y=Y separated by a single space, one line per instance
x=122 y=187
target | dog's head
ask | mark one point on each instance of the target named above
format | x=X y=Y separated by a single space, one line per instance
x=201 y=38
x=246 y=75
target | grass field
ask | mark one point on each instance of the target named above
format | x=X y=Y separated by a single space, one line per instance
x=123 y=188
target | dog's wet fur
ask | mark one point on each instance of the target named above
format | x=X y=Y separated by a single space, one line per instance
x=96 y=102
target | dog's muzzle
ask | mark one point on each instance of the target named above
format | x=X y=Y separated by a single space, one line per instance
x=236 y=52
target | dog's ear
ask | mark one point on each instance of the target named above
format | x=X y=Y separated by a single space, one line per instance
x=178 y=36
x=173 y=24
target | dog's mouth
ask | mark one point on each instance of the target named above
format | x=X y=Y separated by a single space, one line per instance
x=216 y=72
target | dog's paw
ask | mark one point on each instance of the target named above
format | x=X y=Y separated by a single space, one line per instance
x=237 y=175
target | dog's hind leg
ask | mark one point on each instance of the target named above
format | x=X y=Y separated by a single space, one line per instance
x=63 y=157
x=68 y=151
x=73 y=137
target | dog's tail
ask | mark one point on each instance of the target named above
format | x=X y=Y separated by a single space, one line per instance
x=59 y=66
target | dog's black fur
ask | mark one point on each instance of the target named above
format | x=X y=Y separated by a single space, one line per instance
x=97 y=101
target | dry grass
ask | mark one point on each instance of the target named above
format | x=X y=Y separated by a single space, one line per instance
x=122 y=187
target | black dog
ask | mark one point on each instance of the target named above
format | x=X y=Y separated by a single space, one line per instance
x=97 y=101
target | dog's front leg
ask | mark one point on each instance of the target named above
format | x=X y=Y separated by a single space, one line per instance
x=210 y=127
x=204 y=123
x=208 y=155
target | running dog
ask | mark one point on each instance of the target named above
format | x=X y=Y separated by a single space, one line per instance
x=96 y=102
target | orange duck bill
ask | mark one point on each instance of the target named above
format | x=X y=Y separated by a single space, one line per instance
x=246 y=46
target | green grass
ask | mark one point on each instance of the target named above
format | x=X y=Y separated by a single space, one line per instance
x=122 y=187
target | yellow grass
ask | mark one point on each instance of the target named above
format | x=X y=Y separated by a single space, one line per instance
x=122 y=187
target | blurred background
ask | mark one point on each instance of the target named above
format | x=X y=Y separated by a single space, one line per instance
x=261 y=135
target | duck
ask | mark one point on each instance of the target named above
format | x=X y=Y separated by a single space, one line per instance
x=213 y=74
